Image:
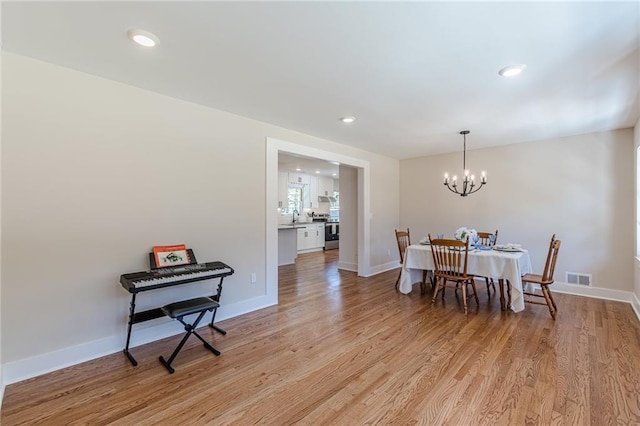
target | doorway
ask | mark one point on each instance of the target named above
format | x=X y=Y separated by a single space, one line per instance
x=361 y=218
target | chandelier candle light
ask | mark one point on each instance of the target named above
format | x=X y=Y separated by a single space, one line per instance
x=469 y=181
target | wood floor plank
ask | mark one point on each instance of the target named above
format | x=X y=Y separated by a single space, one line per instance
x=345 y=350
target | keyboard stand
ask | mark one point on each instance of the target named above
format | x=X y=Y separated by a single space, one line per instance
x=135 y=318
x=213 y=316
x=138 y=317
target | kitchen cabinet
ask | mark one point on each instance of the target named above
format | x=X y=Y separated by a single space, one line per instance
x=283 y=189
x=298 y=179
x=312 y=200
x=287 y=246
x=312 y=187
x=311 y=237
x=304 y=240
x=319 y=235
x=325 y=187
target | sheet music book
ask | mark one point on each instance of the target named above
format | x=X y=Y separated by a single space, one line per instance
x=173 y=255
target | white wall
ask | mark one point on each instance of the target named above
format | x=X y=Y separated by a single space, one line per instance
x=636 y=263
x=348 y=256
x=2 y=386
x=580 y=188
x=94 y=173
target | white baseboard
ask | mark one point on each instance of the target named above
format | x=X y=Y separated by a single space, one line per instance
x=311 y=250
x=348 y=266
x=17 y=371
x=635 y=304
x=599 y=293
x=375 y=270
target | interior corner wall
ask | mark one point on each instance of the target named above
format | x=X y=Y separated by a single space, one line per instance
x=348 y=253
x=636 y=263
x=2 y=385
x=94 y=173
x=579 y=188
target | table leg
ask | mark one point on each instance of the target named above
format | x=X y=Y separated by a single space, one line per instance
x=502 y=301
x=423 y=283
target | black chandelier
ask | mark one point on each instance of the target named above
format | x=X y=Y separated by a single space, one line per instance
x=469 y=181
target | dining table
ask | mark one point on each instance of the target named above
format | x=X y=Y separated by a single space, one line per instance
x=499 y=265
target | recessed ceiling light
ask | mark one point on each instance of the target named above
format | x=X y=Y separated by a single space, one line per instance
x=298 y=170
x=317 y=171
x=335 y=174
x=512 y=70
x=348 y=119
x=143 y=38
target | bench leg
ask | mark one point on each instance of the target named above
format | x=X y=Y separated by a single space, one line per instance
x=206 y=344
x=190 y=328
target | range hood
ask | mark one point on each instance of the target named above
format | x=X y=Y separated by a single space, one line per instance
x=323 y=199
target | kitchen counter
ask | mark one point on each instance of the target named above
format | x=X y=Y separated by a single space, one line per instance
x=293 y=225
x=287 y=244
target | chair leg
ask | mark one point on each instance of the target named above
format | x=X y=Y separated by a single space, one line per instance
x=398 y=280
x=550 y=304
x=475 y=292
x=464 y=296
x=436 y=290
x=553 y=302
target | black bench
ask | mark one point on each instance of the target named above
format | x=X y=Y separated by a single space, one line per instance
x=178 y=310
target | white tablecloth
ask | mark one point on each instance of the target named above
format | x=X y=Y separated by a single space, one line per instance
x=486 y=263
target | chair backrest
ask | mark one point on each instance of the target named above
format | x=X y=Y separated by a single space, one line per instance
x=484 y=238
x=552 y=256
x=450 y=256
x=404 y=241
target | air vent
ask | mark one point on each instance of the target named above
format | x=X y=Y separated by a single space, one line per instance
x=578 y=278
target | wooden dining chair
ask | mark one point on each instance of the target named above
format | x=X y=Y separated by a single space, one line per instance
x=485 y=239
x=450 y=263
x=404 y=240
x=544 y=280
x=488 y=239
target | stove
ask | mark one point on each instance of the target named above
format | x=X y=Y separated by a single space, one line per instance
x=322 y=217
x=331 y=235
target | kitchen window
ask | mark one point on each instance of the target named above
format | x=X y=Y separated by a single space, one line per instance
x=294 y=201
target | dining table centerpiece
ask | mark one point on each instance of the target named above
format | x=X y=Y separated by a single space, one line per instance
x=462 y=233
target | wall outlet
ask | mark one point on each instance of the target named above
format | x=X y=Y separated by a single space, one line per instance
x=389 y=252
x=253 y=278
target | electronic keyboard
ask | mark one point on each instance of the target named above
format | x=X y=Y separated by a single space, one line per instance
x=166 y=277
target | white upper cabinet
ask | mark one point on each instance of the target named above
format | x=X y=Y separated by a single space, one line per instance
x=283 y=189
x=298 y=179
x=325 y=186
x=312 y=187
x=312 y=201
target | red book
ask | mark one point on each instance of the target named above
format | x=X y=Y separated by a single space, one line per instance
x=170 y=255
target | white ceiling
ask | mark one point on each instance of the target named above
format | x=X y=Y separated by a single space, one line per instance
x=413 y=73
x=311 y=166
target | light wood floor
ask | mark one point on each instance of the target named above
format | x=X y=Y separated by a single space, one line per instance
x=345 y=350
